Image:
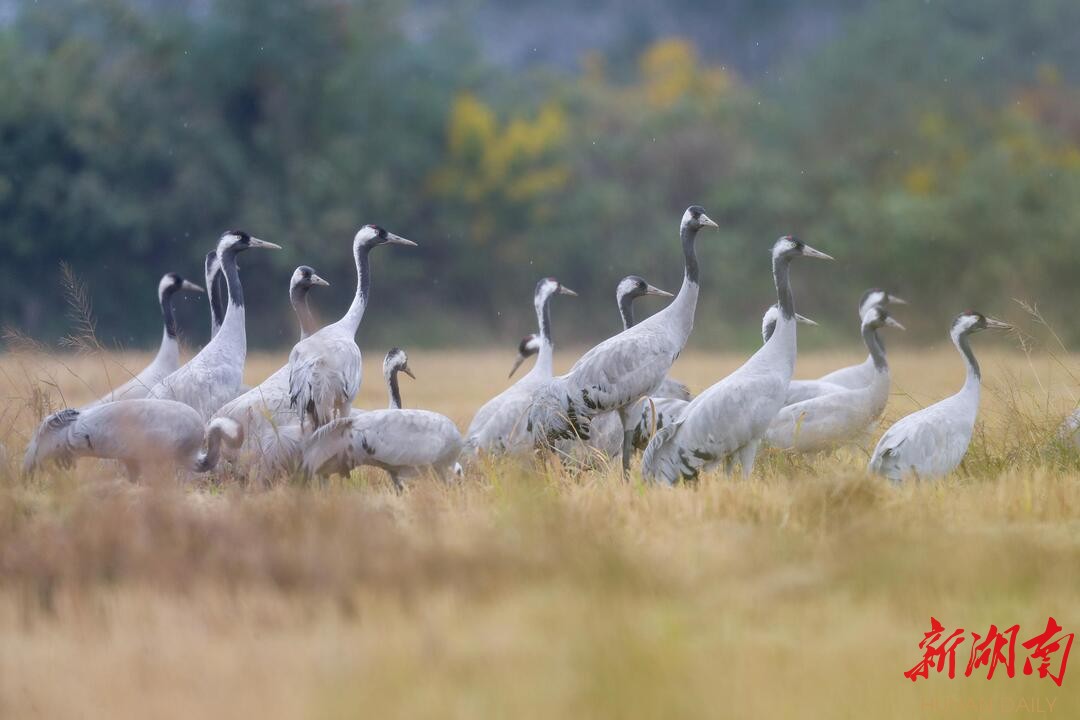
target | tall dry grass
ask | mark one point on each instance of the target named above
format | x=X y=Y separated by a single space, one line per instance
x=536 y=591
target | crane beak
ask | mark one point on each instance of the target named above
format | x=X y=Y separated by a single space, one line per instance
x=811 y=252
x=898 y=300
x=707 y=221
x=995 y=324
x=316 y=280
x=650 y=290
x=567 y=291
x=398 y=240
x=517 y=363
x=257 y=243
x=804 y=320
x=408 y=371
x=893 y=322
x=191 y=287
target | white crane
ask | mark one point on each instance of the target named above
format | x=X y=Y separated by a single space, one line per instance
x=264 y=410
x=139 y=433
x=212 y=378
x=727 y=421
x=933 y=441
x=404 y=443
x=618 y=372
x=325 y=368
x=499 y=425
x=834 y=419
x=167 y=359
x=853 y=376
x=654 y=412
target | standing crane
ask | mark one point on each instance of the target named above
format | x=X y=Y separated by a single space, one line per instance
x=933 y=441
x=213 y=377
x=499 y=426
x=167 y=359
x=727 y=421
x=833 y=419
x=618 y=372
x=654 y=413
x=325 y=368
x=853 y=376
x=264 y=410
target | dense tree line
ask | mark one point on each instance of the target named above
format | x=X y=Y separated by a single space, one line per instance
x=932 y=148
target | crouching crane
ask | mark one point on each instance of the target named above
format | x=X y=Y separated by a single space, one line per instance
x=139 y=433
x=404 y=443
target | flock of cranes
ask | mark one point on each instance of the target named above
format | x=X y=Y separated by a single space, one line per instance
x=617 y=399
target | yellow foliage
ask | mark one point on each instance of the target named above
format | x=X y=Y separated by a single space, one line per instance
x=515 y=162
x=1071 y=158
x=668 y=69
x=1049 y=74
x=717 y=81
x=932 y=126
x=472 y=125
x=592 y=68
x=920 y=180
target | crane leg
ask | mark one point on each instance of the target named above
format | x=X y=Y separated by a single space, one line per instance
x=747 y=454
x=133 y=471
x=399 y=486
x=627 y=440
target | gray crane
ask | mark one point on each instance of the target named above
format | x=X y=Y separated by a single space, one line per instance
x=828 y=421
x=404 y=443
x=499 y=426
x=614 y=375
x=325 y=368
x=139 y=433
x=853 y=376
x=264 y=410
x=727 y=421
x=167 y=359
x=213 y=376
x=655 y=412
x=932 y=442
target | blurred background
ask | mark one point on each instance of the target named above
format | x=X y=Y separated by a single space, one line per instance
x=933 y=148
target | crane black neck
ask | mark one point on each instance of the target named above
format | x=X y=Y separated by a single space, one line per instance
x=232 y=278
x=781 y=276
x=626 y=310
x=361 y=254
x=167 y=311
x=298 y=299
x=965 y=349
x=218 y=295
x=875 y=346
x=395 y=391
x=543 y=315
x=688 y=235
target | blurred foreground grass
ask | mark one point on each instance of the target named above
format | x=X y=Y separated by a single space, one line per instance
x=523 y=592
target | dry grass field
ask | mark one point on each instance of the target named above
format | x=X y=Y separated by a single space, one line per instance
x=521 y=593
